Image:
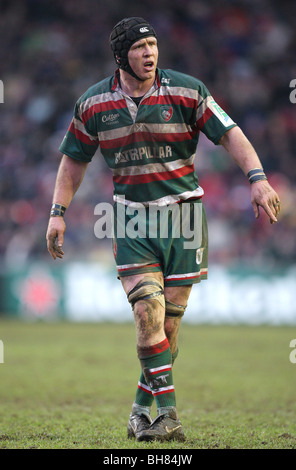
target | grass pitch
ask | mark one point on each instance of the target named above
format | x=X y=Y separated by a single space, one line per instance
x=71 y=386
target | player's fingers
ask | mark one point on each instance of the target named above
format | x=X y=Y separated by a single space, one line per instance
x=271 y=212
x=55 y=250
x=256 y=209
x=50 y=247
x=277 y=206
x=60 y=241
x=58 y=252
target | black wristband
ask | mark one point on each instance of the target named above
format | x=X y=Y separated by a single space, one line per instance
x=256 y=174
x=57 y=210
x=255 y=178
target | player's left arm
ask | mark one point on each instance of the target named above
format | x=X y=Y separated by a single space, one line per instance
x=244 y=154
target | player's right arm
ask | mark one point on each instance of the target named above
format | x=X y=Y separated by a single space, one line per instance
x=69 y=177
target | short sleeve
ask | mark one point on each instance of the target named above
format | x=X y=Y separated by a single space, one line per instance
x=211 y=119
x=78 y=142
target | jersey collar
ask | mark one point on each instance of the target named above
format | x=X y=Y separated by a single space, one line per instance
x=116 y=80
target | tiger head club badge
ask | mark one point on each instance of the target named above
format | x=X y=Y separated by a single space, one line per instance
x=166 y=112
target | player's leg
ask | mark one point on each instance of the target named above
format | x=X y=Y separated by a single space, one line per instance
x=146 y=295
x=167 y=424
x=149 y=322
x=184 y=262
x=176 y=301
x=144 y=396
x=134 y=258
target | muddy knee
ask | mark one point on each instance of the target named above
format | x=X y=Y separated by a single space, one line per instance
x=147 y=300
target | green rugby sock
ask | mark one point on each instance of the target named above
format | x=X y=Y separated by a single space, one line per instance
x=156 y=362
x=144 y=396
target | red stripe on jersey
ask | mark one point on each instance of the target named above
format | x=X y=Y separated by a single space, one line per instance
x=170 y=99
x=147 y=178
x=80 y=136
x=101 y=108
x=146 y=137
x=205 y=117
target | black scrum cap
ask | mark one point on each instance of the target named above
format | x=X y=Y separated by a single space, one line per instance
x=123 y=36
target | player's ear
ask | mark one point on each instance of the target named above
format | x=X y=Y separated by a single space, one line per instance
x=117 y=59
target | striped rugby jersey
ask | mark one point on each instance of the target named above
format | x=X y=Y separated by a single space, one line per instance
x=150 y=149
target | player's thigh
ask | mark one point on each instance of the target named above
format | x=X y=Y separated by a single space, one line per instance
x=129 y=282
x=179 y=295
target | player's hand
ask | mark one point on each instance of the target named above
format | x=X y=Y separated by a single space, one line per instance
x=55 y=236
x=263 y=195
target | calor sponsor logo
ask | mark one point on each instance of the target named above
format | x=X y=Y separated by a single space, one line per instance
x=110 y=117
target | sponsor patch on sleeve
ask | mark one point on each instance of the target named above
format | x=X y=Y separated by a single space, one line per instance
x=220 y=113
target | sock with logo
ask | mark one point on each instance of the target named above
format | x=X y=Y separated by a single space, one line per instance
x=156 y=363
x=144 y=396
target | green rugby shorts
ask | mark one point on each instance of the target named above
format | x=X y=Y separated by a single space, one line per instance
x=171 y=239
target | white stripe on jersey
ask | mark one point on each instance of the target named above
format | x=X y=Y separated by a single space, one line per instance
x=163 y=201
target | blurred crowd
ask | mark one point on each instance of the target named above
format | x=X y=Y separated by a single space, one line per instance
x=52 y=51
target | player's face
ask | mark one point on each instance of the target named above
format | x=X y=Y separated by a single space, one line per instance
x=143 y=56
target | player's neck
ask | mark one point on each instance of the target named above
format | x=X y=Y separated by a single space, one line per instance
x=133 y=87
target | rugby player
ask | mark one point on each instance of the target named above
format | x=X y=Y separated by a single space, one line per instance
x=146 y=122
